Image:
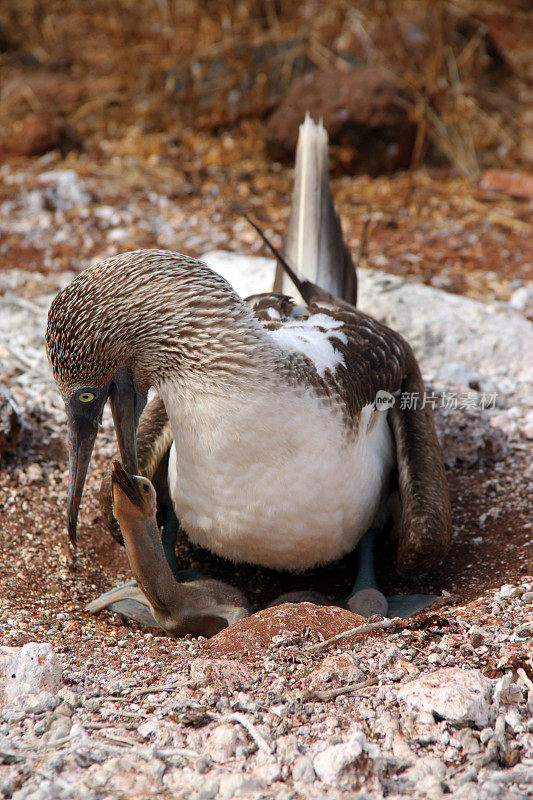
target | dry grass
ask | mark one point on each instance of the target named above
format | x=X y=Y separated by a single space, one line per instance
x=167 y=64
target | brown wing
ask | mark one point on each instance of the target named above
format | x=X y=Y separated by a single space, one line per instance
x=379 y=358
x=426 y=525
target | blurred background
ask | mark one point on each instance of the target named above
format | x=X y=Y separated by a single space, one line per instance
x=164 y=111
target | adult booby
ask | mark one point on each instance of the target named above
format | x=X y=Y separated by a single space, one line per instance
x=280 y=454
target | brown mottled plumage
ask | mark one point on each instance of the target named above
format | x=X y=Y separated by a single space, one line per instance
x=153 y=311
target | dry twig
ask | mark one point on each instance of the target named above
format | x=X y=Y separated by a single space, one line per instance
x=331 y=694
x=365 y=628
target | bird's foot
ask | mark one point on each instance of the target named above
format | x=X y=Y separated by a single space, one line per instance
x=368 y=602
x=127 y=600
x=407 y=605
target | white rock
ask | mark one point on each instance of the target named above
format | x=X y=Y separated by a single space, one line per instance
x=521 y=298
x=526 y=426
x=64 y=189
x=330 y=762
x=35 y=703
x=222 y=743
x=459 y=696
x=521 y=774
x=525 y=630
x=469 y=743
x=47 y=790
x=460 y=373
x=401 y=750
x=69 y=697
x=514 y=721
x=30 y=669
x=508 y=590
x=34 y=473
x=267 y=770
x=184 y=782
x=302 y=770
x=506 y=692
x=429 y=787
x=149 y=727
x=486 y=734
x=128 y=776
x=335 y=670
x=426 y=766
x=221 y=673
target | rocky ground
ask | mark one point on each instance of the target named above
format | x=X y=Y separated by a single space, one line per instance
x=129 y=125
x=276 y=706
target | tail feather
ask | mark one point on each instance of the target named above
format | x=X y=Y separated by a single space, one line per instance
x=313 y=242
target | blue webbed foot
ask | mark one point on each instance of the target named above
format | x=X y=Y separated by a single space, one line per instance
x=367 y=600
x=128 y=600
x=407 y=605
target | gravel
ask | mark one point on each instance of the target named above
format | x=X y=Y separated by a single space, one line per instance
x=98 y=707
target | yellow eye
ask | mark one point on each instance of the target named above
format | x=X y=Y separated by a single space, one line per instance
x=86 y=397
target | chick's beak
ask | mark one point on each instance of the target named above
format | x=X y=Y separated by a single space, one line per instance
x=126 y=483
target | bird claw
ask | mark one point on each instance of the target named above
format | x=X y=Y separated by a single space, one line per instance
x=368 y=602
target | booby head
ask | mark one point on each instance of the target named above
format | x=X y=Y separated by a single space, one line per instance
x=84 y=407
x=128 y=323
x=90 y=349
x=134 y=497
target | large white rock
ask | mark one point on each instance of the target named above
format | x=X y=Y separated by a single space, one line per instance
x=330 y=762
x=460 y=696
x=28 y=670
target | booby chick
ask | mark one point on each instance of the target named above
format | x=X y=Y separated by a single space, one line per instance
x=280 y=455
x=201 y=607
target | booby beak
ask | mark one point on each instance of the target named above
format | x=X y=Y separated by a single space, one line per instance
x=82 y=431
x=127 y=404
x=127 y=483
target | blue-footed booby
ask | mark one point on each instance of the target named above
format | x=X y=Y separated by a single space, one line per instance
x=279 y=453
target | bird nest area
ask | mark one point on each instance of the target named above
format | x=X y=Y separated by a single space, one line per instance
x=43 y=593
x=150 y=132
x=140 y=700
